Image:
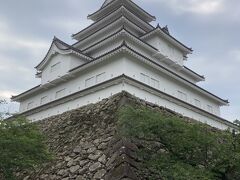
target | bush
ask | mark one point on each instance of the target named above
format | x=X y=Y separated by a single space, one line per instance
x=21 y=146
x=195 y=150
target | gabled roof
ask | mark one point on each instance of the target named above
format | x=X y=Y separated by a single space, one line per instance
x=108 y=4
x=163 y=32
x=61 y=47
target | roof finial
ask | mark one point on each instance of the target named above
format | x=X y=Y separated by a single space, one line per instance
x=165 y=29
x=158 y=25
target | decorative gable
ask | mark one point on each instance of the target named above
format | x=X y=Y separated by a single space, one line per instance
x=60 y=58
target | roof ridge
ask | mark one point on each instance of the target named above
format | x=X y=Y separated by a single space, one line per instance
x=70 y=46
x=104 y=7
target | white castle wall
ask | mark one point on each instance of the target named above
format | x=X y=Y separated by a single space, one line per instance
x=114 y=67
x=76 y=103
x=111 y=70
x=96 y=96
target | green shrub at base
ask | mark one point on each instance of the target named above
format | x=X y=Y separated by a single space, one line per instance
x=195 y=151
x=21 y=147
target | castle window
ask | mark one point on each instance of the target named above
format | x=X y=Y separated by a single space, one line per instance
x=30 y=105
x=89 y=82
x=197 y=103
x=60 y=93
x=100 y=77
x=145 y=78
x=154 y=83
x=182 y=96
x=55 y=67
x=44 y=100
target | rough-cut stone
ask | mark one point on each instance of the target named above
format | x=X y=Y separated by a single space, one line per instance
x=77 y=150
x=95 y=166
x=67 y=158
x=91 y=150
x=61 y=172
x=26 y=178
x=70 y=163
x=83 y=170
x=99 y=174
x=102 y=159
x=73 y=169
x=83 y=162
x=80 y=178
x=67 y=178
x=94 y=156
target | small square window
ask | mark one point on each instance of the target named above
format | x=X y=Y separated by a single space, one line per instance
x=44 y=100
x=89 y=82
x=100 y=77
x=182 y=96
x=60 y=93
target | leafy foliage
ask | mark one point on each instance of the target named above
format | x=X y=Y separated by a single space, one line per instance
x=21 y=146
x=195 y=151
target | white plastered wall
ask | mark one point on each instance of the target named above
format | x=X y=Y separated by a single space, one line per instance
x=111 y=70
x=115 y=67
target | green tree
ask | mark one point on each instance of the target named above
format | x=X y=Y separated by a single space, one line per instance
x=21 y=146
x=194 y=150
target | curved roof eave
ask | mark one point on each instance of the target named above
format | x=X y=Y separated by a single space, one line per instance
x=167 y=35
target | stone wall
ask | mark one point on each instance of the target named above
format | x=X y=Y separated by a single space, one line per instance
x=86 y=145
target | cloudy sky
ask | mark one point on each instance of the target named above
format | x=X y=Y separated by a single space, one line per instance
x=210 y=27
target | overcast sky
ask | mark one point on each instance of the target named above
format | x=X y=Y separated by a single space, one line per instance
x=210 y=27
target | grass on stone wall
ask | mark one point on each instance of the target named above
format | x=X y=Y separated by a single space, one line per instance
x=191 y=150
